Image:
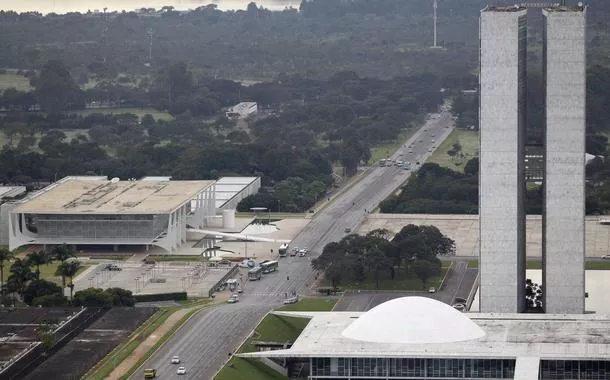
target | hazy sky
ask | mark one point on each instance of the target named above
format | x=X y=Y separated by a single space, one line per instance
x=64 y=6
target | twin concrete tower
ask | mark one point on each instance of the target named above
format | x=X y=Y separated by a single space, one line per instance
x=502 y=188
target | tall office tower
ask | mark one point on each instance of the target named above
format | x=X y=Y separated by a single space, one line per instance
x=563 y=228
x=502 y=106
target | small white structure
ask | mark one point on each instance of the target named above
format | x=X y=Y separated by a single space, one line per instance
x=242 y=110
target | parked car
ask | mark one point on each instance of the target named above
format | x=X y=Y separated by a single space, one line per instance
x=432 y=290
x=233 y=299
x=460 y=300
x=606 y=257
x=181 y=371
x=112 y=267
x=175 y=360
x=459 y=307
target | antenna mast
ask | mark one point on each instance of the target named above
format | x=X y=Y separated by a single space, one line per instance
x=150 y=33
x=435 y=6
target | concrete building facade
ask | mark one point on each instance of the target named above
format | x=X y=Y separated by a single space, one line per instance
x=503 y=158
x=82 y=211
x=502 y=112
x=564 y=63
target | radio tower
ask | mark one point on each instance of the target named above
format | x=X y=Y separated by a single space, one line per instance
x=435 y=5
x=150 y=34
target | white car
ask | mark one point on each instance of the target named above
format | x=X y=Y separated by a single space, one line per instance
x=233 y=299
x=181 y=371
x=175 y=360
x=432 y=290
x=606 y=257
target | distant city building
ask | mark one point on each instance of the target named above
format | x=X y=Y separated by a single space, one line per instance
x=242 y=110
x=505 y=164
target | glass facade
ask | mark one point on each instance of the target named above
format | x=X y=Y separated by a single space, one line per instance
x=574 y=369
x=375 y=368
x=109 y=226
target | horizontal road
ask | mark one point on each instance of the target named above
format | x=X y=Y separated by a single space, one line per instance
x=204 y=343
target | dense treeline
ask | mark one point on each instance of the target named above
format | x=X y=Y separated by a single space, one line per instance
x=437 y=190
x=305 y=127
x=414 y=251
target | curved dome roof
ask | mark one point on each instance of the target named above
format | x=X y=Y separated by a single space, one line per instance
x=413 y=320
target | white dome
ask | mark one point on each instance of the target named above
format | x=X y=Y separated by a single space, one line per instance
x=413 y=320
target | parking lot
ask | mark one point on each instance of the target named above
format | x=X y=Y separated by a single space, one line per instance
x=162 y=277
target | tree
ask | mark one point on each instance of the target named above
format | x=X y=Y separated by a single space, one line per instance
x=50 y=300
x=424 y=270
x=39 y=288
x=37 y=259
x=21 y=273
x=5 y=257
x=68 y=269
x=93 y=297
x=334 y=275
x=56 y=90
x=62 y=252
x=121 y=297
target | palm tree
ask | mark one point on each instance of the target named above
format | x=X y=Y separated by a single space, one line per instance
x=5 y=257
x=68 y=269
x=21 y=273
x=62 y=252
x=37 y=259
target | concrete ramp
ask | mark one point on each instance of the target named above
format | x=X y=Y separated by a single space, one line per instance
x=235 y=236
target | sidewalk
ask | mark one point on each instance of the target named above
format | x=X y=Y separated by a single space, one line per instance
x=152 y=339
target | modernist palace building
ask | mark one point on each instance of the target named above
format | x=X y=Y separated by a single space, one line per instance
x=421 y=338
x=97 y=211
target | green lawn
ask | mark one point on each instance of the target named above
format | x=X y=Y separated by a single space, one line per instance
x=140 y=112
x=401 y=282
x=469 y=140
x=246 y=369
x=47 y=272
x=19 y=82
x=383 y=150
x=272 y=328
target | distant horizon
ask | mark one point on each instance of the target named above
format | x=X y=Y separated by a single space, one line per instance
x=68 y=6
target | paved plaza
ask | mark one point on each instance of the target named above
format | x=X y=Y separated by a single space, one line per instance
x=163 y=277
x=464 y=229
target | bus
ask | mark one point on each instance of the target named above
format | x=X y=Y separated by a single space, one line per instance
x=269 y=266
x=255 y=273
x=283 y=250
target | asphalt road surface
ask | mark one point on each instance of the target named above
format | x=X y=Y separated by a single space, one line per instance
x=205 y=341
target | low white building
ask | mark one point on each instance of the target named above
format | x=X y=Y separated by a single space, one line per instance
x=242 y=110
x=97 y=211
x=421 y=338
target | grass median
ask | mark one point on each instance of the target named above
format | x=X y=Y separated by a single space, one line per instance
x=160 y=342
x=122 y=352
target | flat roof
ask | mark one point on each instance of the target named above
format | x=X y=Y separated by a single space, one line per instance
x=11 y=191
x=76 y=196
x=545 y=336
